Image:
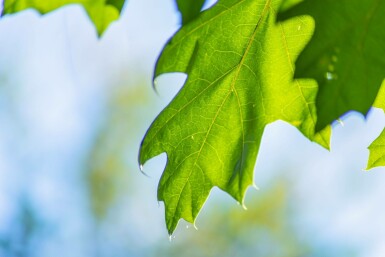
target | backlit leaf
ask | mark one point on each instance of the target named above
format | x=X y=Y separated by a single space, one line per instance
x=239 y=63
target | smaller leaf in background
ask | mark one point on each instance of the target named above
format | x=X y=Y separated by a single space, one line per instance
x=377 y=152
x=377 y=148
x=345 y=54
x=189 y=9
x=380 y=100
x=101 y=12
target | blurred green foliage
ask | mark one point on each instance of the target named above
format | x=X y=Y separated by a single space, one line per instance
x=264 y=229
x=108 y=168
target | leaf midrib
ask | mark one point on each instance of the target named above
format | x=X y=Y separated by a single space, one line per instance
x=239 y=66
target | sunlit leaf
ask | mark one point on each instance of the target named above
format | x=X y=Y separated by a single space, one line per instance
x=239 y=63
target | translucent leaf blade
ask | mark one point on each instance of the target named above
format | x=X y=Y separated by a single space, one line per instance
x=239 y=63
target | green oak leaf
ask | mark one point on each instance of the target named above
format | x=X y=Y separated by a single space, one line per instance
x=189 y=9
x=239 y=63
x=101 y=12
x=345 y=54
x=377 y=148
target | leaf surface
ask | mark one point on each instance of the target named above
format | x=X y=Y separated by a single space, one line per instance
x=345 y=55
x=239 y=63
x=189 y=9
x=101 y=12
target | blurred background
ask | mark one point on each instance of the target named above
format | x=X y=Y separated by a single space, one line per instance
x=73 y=110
